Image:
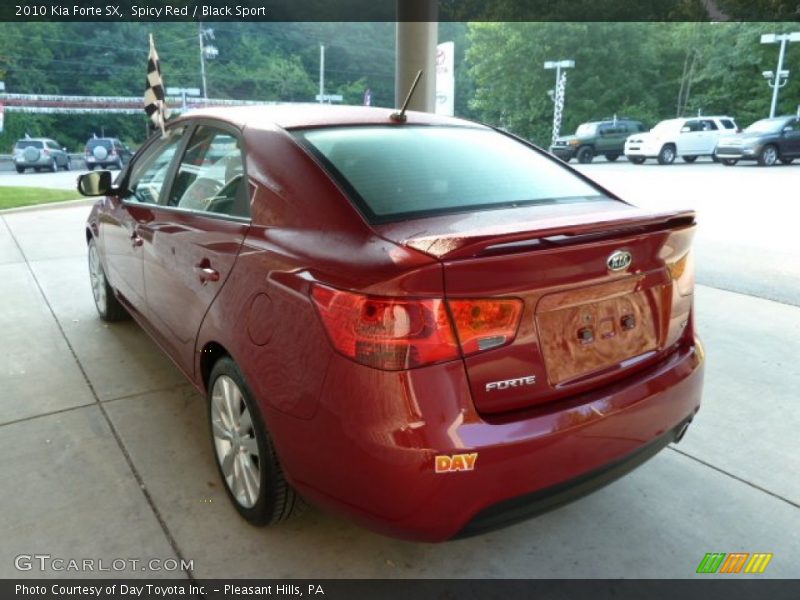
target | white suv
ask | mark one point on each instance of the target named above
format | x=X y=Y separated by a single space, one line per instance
x=685 y=137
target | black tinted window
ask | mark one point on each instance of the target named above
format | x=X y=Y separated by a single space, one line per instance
x=28 y=144
x=398 y=172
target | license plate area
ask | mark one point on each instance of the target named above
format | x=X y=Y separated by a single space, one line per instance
x=591 y=330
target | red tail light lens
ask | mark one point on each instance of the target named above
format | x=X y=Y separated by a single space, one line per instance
x=45 y=151
x=485 y=324
x=386 y=333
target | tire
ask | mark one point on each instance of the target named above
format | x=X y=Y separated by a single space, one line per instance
x=786 y=161
x=119 y=164
x=20 y=170
x=667 y=154
x=67 y=165
x=611 y=157
x=768 y=156
x=105 y=300
x=689 y=159
x=585 y=155
x=90 y=167
x=54 y=166
x=230 y=400
x=715 y=158
x=637 y=160
x=729 y=162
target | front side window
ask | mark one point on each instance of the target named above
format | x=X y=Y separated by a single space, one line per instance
x=210 y=176
x=150 y=172
x=396 y=172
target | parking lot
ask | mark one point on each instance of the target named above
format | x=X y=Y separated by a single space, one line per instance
x=105 y=453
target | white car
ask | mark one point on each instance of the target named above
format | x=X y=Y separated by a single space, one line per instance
x=685 y=137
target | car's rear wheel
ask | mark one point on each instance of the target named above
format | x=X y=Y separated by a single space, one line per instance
x=787 y=161
x=689 y=159
x=20 y=170
x=611 y=157
x=108 y=307
x=637 y=160
x=246 y=457
x=67 y=165
x=54 y=165
x=585 y=154
x=768 y=156
x=729 y=162
x=667 y=155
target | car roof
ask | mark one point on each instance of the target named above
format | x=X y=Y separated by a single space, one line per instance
x=298 y=116
x=102 y=139
x=35 y=139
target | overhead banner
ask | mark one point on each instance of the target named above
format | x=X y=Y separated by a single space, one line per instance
x=445 y=79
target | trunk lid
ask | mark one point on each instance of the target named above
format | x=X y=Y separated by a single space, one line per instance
x=583 y=324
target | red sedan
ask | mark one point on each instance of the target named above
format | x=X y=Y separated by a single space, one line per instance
x=429 y=326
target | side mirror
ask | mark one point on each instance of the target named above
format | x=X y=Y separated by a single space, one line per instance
x=64 y=149
x=685 y=129
x=95 y=183
x=787 y=129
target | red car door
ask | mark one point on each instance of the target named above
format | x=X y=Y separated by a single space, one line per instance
x=194 y=237
x=122 y=219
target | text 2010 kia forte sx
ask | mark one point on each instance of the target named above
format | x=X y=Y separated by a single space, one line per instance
x=429 y=326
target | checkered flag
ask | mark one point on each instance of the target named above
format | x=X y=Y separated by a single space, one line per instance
x=154 y=104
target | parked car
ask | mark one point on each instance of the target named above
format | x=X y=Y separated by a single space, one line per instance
x=426 y=325
x=605 y=137
x=106 y=152
x=687 y=138
x=767 y=141
x=40 y=154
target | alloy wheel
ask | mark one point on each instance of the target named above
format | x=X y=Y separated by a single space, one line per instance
x=97 y=279
x=235 y=441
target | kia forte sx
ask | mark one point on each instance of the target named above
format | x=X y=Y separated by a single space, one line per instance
x=426 y=325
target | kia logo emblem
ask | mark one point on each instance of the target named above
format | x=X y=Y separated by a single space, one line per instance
x=619 y=260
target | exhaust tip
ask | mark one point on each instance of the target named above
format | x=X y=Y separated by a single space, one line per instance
x=681 y=431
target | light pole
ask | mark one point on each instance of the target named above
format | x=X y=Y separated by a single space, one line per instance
x=206 y=51
x=779 y=78
x=560 y=90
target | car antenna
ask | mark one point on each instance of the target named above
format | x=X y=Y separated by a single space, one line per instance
x=400 y=117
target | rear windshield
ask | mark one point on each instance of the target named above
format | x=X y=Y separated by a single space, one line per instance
x=105 y=143
x=28 y=144
x=406 y=171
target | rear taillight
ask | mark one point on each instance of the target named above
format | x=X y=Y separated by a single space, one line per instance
x=86 y=150
x=386 y=333
x=113 y=152
x=682 y=273
x=400 y=333
x=45 y=151
x=485 y=324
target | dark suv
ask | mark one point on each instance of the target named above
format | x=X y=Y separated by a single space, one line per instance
x=106 y=152
x=606 y=137
x=767 y=141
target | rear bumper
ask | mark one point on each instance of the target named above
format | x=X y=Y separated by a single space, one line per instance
x=524 y=507
x=370 y=451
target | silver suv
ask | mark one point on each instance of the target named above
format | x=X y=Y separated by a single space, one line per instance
x=40 y=154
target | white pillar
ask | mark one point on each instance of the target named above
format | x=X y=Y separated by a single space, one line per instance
x=417 y=36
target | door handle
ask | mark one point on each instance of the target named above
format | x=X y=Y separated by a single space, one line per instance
x=205 y=272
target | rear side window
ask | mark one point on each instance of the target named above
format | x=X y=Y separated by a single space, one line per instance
x=210 y=176
x=401 y=172
x=728 y=124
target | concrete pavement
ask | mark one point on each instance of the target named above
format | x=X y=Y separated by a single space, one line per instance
x=104 y=452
